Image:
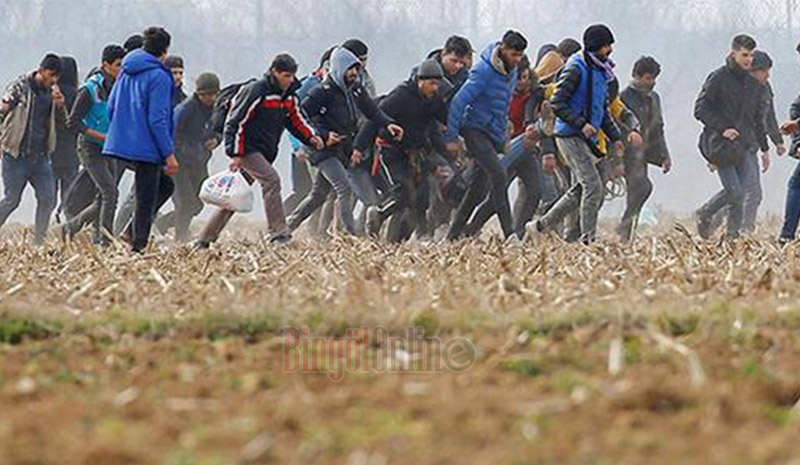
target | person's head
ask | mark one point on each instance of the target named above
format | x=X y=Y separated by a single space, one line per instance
x=111 y=61
x=599 y=40
x=512 y=48
x=134 y=42
x=568 y=47
x=283 y=69
x=645 y=72
x=524 y=74
x=761 y=66
x=358 y=48
x=49 y=70
x=429 y=78
x=456 y=55
x=206 y=88
x=742 y=49
x=156 y=41
x=325 y=60
x=175 y=64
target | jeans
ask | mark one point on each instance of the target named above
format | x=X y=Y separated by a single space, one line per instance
x=586 y=194
x=525 y=165
x=301 y=184
x=331 y=175
x=17 y=173
x=734 y=178
x=257 y=166
x=753 y=195
x=791 y=216
x=639 y=190
x=103 y=172
x=364 y=191
x=491 y=178
x=153 y=188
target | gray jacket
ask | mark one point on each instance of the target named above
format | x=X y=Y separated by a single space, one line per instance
x=19 y=97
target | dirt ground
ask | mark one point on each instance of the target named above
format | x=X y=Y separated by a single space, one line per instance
x=670 y=351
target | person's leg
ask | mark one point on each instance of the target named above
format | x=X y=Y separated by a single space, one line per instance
x=259 y=168
x=187 y=198
x=476 y=193
x=753 y=195
x=148 y=180
x=791 y=215
x=334 y=171
x=102 y=170
x=125 y=212
x=44 y=184
x=485 y=154
x=301 y=184
x=529 y=171
x=639 y=190
x=733 y=195
x=15 y=176
x=582 y=165
x=365 y=192
x=320 y=190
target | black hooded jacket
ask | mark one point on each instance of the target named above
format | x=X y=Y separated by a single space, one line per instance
x=66 y=155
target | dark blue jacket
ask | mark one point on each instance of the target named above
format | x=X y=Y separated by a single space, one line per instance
x=140 y=111
x=483 y=101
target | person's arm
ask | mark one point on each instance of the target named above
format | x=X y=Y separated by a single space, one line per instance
x=761 y=120
x=11 y=98
x=773 y=129
x=297 y=124
x=159 y=114
x=391 y=106
x=706 y=106
x=657 y=133
x=312 y=106
x=532 y=106
x=568 y=83
x=468 y=93
x=370 y=109
x=243 y=107
x=608 y=125
x=81 y=107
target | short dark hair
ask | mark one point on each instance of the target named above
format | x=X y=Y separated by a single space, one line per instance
x=134 y=42
x=515 y=40
x=51 y=62
x=459 y=46
x=112 y=53
x=524 y=63
x=568 y=47
x=326 y=57
x=646 y=65
x=156 y=40
x=743 y=41
x=761 y=60
x=357 y=47
x=284 y=63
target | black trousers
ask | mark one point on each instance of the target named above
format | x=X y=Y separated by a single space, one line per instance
x=153 y=189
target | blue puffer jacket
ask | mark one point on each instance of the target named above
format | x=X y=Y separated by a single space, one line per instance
x=483 y=101
x=140 y=111
x=571 y=99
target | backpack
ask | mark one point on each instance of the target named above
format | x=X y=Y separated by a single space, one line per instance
x=222 y=105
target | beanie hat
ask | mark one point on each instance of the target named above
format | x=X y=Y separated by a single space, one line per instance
x=430 y=69
x=52 y=62
x=207 y=83
x=596 y=37
x=173 y=62
x=761 y=60
x=357 y=47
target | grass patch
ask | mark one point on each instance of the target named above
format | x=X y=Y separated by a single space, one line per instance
x=15 y=330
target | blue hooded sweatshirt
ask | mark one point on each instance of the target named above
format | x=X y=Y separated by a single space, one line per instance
x=483 y=101
x=140 y=111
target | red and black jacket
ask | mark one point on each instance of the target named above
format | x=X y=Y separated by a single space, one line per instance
x=259 y=114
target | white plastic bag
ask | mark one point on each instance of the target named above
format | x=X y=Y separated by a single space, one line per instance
x=228 y=190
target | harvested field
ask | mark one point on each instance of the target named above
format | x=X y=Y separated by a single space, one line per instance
x=670 y=351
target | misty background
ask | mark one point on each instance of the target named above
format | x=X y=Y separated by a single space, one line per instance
x=237 y=39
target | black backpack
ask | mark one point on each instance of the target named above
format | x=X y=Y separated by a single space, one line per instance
x=222 y=104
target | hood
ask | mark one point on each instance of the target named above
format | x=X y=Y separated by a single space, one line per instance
x=735 y=68
x=436 y=54
x=549 y=66
x=544 y=50
x=140 y=61
x=342 y=60
x=491 y=55
x=69 y=72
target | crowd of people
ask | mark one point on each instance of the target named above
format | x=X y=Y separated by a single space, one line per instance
x=436 y=153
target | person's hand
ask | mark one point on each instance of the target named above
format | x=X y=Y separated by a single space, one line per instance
x=619 y=149
x=236 y=164
x=211 y=144
x=302 y=156
x=333 y=139
x=781 y=150
x=356 y=158
x=635 y=139
x=667 y=166
x=790 y=127
x=589 y=131
x=549 y=164
x=396 y=131
x=318 y=143
x=765 y=161
x=171 y=166
x=731 y=134
x=58 y=96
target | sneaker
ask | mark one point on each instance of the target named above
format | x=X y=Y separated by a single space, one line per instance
x=703 y=225
x=201 y=245
x=373 y=223
x=281 y=239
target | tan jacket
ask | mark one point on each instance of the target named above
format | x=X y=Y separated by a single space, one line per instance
x=19 y=96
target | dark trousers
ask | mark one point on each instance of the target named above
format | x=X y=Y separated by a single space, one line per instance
x=153 y=189
x=406 y=198
x=639 y=190
x=191 y=175
x=490 y=178
x=64 y=176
